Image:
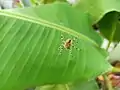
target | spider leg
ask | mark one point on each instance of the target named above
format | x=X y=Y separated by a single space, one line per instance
x=62 y=37
x=75 y=44
x=70 y=52
x=62 y=44
x=60 y=50
x=74 y=39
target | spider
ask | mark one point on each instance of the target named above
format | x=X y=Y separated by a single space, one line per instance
x=67 y=44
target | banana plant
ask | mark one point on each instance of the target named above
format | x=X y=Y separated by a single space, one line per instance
x=48 y=44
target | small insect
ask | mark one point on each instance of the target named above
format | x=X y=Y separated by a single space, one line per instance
x=68 y=44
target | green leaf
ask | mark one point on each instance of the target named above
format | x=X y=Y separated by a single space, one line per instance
x=89 y=85
x=63 y=21
x=109 y=26
x=53 y=87
x=98 y=8
x=32 y=51
x=103 y=9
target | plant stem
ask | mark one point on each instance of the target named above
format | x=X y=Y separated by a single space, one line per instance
x=107 y=82
x=116 y=70
x=108 y=45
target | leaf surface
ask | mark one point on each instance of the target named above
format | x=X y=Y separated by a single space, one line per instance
x=32 y=51
x=98 y=8
x=109 y=26
x=89 y=85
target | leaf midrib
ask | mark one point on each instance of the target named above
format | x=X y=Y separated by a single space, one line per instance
x=47 y=24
